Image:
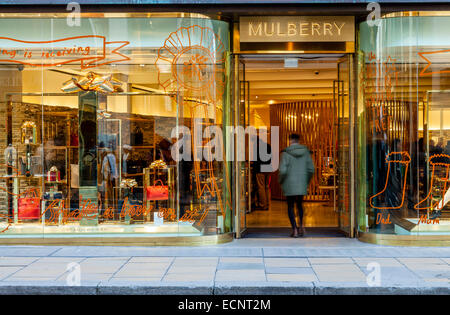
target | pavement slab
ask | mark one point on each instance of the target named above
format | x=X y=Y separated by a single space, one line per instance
x=246 y=266
x=384 y=262
x=292 y=277
x=286 y=262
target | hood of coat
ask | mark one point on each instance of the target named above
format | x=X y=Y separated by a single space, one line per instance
x=296 y=150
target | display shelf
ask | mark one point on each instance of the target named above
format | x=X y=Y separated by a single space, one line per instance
x=55 y=182
x=142 y=146
x=132 y=175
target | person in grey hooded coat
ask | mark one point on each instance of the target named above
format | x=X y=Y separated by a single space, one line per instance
x=295 y=173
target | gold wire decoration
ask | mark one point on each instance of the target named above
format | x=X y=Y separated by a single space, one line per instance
x=158 y=164
x=93 y=82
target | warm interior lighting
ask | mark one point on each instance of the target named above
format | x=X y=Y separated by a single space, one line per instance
x=291 y=116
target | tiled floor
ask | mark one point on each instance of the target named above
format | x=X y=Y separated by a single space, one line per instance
x=316 y=214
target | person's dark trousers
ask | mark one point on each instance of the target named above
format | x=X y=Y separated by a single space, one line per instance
x=262 y=182
x=291 y=200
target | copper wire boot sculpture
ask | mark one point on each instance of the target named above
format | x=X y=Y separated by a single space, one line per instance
x=394 y=157
x=437 y=160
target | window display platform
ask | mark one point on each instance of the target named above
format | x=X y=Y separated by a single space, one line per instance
x=145 y=234
x=405 y=240
x=430 y=227
x=75 y=230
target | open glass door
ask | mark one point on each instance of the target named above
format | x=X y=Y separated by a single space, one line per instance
x=342 y=93
x=242 y=171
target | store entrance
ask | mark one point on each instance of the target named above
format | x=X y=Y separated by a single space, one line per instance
x=307 y=95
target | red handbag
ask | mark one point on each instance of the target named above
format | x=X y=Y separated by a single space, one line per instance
x=29 y=208
x=53 y=175
x=158 y=192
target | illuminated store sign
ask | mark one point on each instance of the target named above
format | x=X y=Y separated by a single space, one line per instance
x=297 y=29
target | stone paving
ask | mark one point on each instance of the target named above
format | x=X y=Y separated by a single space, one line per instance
x=306 y=266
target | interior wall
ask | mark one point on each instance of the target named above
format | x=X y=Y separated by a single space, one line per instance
x=260 y=117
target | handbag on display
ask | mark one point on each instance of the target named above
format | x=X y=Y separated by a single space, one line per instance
x=74 y=139
x=134 y=167
x=158 y=192
x=29 y=207
x=53 y=175
x=60 y=139
x=53 y=195
x=132 y=201
x=137 y=136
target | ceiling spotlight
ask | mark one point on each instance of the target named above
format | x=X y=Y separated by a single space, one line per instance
x=142 y=65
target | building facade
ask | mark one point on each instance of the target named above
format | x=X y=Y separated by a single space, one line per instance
x=132 y=122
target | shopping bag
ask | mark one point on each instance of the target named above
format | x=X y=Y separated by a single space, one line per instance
x=158 y=192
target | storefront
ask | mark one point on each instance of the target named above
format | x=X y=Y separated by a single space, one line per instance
x=403 y=141
x=120 y=128
x=91 y=122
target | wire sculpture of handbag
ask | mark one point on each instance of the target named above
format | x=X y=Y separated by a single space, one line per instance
x=158 y=192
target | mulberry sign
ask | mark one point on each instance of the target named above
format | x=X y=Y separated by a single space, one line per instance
x=297 y=29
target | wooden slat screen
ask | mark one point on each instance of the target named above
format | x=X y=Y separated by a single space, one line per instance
x=313 y=120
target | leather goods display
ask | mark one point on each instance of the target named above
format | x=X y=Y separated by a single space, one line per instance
x=132 y=201
x=137 y=136
x=60 y=139
x=74 y=139
x=158 y=192
x=53 y=195
x=53 y=175
x=29 y=207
